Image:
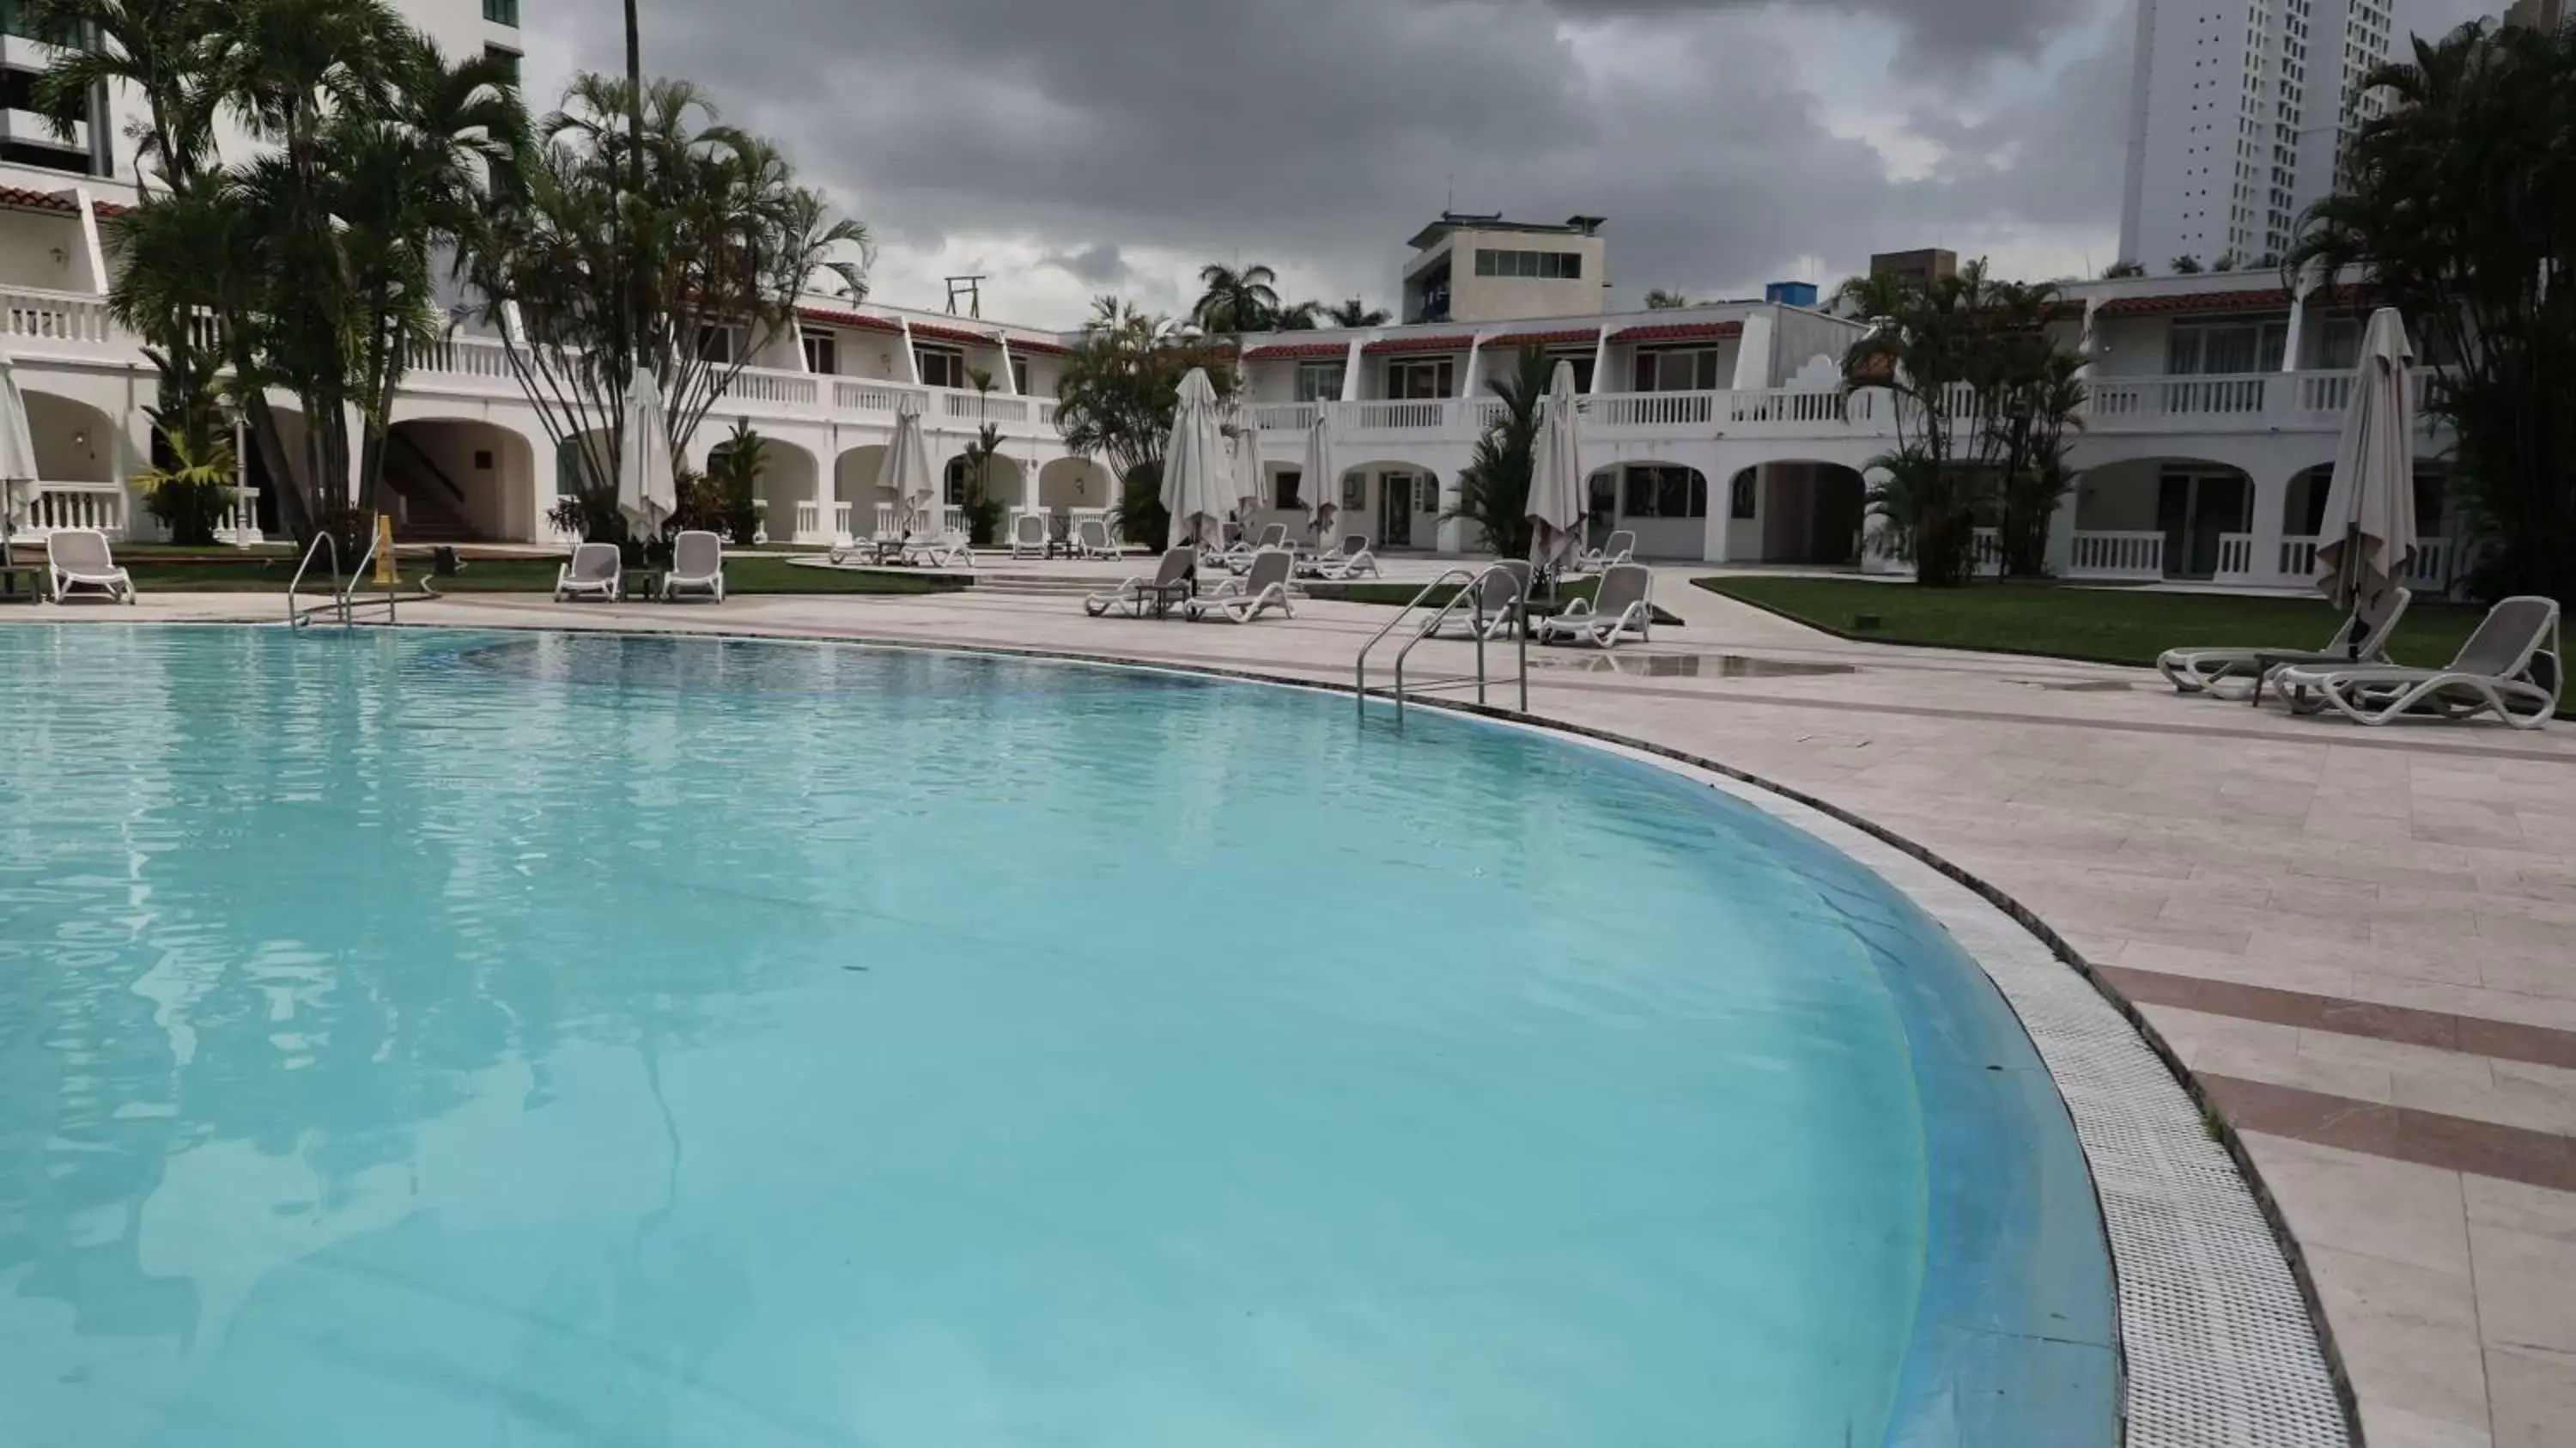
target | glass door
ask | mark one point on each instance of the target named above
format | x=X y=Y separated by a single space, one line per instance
x=1395 y=510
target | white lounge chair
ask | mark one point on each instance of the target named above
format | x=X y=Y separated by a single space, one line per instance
x=1241 y=600
x=1623 y=607
x=1028 y=536
x=594 y=571
x=80 y=558
x=1136 y=594
x=1618 y=548
x=1238 y=559
x=1495 y=610
x=2363 y=639
x=1348 y=559
x=1091 y=539
x=2511 y=667
x=947 y=551
x=697 y=565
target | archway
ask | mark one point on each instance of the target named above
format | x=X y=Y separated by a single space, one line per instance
x=873 y=510
x=458 y=480
x=1665 y=504
x=789 y=494
x=2303 y=511
x=1796 y=511
x=2171 y=517
x=78 y=459
x=1068 y=484
x=1397 y=503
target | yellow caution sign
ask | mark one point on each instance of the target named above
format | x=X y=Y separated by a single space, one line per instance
x=386 y=577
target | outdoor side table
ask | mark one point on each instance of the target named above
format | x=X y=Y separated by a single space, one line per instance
x=640 y=583
x=21 y=584
x=1163 y=596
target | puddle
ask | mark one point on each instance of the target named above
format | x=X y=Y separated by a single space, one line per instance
x=1686 y=666
x=2092 y=686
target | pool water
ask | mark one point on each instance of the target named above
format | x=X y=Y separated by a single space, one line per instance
x=442 y=1039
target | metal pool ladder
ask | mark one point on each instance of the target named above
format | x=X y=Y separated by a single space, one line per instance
x=1471 y=590
x=345 y=602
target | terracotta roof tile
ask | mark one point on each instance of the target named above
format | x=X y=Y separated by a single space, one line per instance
x=1285 y=351
x=27 y=200
x=939 y=332
x=836 y=318
x=109 y=208
x=1026 y=346
x=1545 y=339
x=1419 y=344
x=1680 y=332
x=2266 y=299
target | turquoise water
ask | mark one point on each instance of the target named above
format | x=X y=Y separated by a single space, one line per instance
x=420 y=1039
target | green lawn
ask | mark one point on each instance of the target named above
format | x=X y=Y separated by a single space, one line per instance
x=2105 y=625
x=509 y=575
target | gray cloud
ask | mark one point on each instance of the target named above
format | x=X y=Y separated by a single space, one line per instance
x=1728 y=143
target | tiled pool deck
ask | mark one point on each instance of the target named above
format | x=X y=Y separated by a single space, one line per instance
x=2363 y=944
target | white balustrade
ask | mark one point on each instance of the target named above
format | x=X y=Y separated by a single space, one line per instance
x=240 y=524
x=888 y=525
x=1416 y=416
x=868 y=396
x=2325 y=391
x=2435 y=560
x=2235 y=557
x=1986 y=553
x=26 y=312
x=483 y=357
x=983 y=406
x=1046 y=409
x=1284 y=416
x=809 y=524
x=952 y=522
x=2118 y=555
x=763 y=384
x=1652 y=409
x=58 y=506
x=1782 y=405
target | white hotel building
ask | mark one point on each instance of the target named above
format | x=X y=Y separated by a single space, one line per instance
x=1716 y=432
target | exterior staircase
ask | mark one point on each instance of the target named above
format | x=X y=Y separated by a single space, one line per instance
x=428 y=517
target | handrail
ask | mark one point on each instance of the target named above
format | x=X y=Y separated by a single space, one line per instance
x=1471 y=585
x=295 y=618
x=1476 y=591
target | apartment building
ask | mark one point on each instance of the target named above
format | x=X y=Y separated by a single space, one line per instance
x=1487 y=269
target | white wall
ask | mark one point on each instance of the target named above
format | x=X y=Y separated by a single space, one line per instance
x=28 y=242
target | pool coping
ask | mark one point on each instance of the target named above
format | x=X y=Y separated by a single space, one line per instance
x=2186 y=1379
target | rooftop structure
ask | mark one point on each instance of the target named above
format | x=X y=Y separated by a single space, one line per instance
x=1486 y=269
x=1922 y=267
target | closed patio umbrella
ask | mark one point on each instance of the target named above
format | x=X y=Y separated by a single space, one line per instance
x=1322 y=483
x=17 y=456
x=905 y=471
x=646 y=492
x=2368 y=536
x=1249 y=484
x=1556 y=478
x=1197 y=487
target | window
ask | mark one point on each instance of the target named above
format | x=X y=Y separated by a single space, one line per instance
x=2225 y=349
x=1542 y=265
x=2338 y=345
x=502 y=12
x=1426 y=493
x=1420 y=379
x=1581 y=360
x=822 y=353
x=1354 y=491
x=954 y=491
x=1677 y=369
x=1284 y=490
x=1742 y=500
x=1319 y=381
x=1662 y=492
x=1020 y=375
x=508 y=60
x=715 y=344
x=940 y=366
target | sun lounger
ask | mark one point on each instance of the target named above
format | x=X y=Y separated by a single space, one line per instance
x=1238 y=559
x=1349 y=559
x=1091 y=539
x=1495 y=610
x=1621 y=608
x=2362 y=639
x=80 y=558
x=697 y=565
x=1618 y=548
x=2511 y=667
x=594 y=571
x=1137 y=594
x=1028 y=536
x=1241 y=600
x=951 y=551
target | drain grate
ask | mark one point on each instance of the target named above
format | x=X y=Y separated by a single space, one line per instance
x=2215 y=1335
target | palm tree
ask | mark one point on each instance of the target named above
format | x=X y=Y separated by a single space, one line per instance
x=1358 y=313
x=1493 y=493
x=158 y=49
x=1660 y=300
x=1297 y=317
x=1235 y=301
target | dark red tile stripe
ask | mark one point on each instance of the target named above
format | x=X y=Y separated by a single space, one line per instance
x=2503 y=1040
x=2401 y=1133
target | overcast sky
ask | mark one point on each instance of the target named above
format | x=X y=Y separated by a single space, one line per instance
x=1073 y=147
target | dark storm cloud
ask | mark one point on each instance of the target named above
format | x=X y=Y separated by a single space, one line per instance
x=1317 y=134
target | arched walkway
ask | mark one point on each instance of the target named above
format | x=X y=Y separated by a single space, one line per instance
x=449 y=480
x=2195 y=514
x=1396 y=503
x=1069 y=483
x=854 y=481
x=1665 y=504
x=794 y=509
x=1806 y=511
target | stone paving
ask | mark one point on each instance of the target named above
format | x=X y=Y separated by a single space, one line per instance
x=2362 y=943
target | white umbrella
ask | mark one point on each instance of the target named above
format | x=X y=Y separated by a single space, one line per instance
x=646 y=492
x=1321 y=481
x=2369 y=528
x=1249 y=484
x=1196 y=489
x=17 y=456
x=1556 y=477
x=905 y=471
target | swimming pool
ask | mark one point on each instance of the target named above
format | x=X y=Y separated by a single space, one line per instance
x=419 y=1038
